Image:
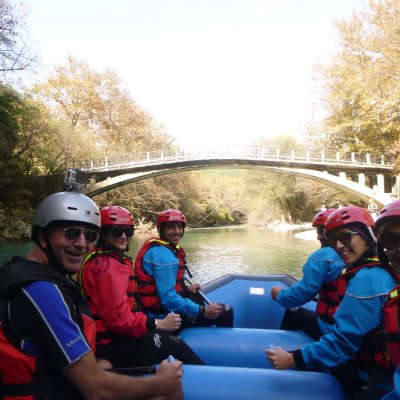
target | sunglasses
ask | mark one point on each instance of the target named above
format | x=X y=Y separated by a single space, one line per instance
x=118 y=231
x=390 y=240
x=73 y=233
x=343 y=237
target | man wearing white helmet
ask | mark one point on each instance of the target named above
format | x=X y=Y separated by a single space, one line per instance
x=47 y=337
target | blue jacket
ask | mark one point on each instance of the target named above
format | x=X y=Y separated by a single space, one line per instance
x=161 y=263
x=360 y=311
x=323 y=266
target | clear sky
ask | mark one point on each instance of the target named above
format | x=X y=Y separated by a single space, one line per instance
x=213 y=72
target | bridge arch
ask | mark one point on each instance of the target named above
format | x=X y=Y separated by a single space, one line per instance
x=357 y=190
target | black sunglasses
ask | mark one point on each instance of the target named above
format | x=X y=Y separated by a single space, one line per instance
x=117 y=232
x=342 y=237
x=390 y=240
x=73 y=233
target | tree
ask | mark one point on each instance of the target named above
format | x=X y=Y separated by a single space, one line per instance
x=96 y=105
x=14 y=53
x=9 y=103
x=361 y=89
x=30 y=146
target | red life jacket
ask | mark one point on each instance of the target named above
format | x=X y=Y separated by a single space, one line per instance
x=146 y=285
x=373 y=356
x=348 y=272
x=104 y=336
x=328 y=301
x=23 y=376
x=391 y=322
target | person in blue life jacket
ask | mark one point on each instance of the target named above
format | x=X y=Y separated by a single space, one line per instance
x=320 y=275
x=354 y=351
x=47 y=335
x=161 y=272
x=388 y=234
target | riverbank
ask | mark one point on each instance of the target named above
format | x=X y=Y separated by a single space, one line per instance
x=305 y=231
x=13 y=227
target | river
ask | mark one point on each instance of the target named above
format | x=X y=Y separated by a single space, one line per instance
x=212 y=252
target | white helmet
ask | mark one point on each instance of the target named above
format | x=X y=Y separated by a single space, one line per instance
x=66 y=207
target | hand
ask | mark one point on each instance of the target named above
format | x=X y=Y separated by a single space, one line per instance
x=170 y=378
x=170 y=323
x=279 y=358
x=275 y=291
x=194 y=288
x=213 y=311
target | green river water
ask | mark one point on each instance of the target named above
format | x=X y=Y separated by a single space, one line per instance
x=212 y=252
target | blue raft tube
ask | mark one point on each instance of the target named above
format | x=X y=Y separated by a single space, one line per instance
x=236 y=366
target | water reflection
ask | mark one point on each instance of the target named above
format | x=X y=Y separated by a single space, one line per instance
x=214 y=252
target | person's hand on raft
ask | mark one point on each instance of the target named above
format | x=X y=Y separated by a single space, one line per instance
x=279 y=358
x=194 y=288
x=275 y=290
x=170 y=323
x=169 y=377
x=213 y=311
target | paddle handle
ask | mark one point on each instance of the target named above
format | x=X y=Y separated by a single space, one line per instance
x=200 y=292
x=134 y=370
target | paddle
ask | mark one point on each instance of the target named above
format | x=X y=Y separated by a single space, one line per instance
x=133 y=371
x=200 y=292
x=225 y=307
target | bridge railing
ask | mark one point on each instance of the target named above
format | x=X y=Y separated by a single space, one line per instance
x=231 y=152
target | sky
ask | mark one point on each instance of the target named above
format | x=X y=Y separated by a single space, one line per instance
x=212 y=72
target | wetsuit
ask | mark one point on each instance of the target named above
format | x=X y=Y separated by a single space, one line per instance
x=126 y=336
x=320 y=274
x=44 y=323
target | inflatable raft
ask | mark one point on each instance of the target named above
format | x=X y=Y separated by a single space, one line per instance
x=236 y=366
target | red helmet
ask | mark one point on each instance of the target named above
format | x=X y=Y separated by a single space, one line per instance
x=349 y=215
x=115 y=215
x=170 y=216
x=392 y=210
x=320 y=218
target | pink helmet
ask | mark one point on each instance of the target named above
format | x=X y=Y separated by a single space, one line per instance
x=349 y=215
x=170 y=216
x=320 y=218
x=116 y=215
x=392 y=210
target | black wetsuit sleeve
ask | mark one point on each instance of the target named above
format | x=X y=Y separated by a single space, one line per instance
x=298 y=359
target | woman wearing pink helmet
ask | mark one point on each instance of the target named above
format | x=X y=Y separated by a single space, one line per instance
x=126 y=336
x=355 y=343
